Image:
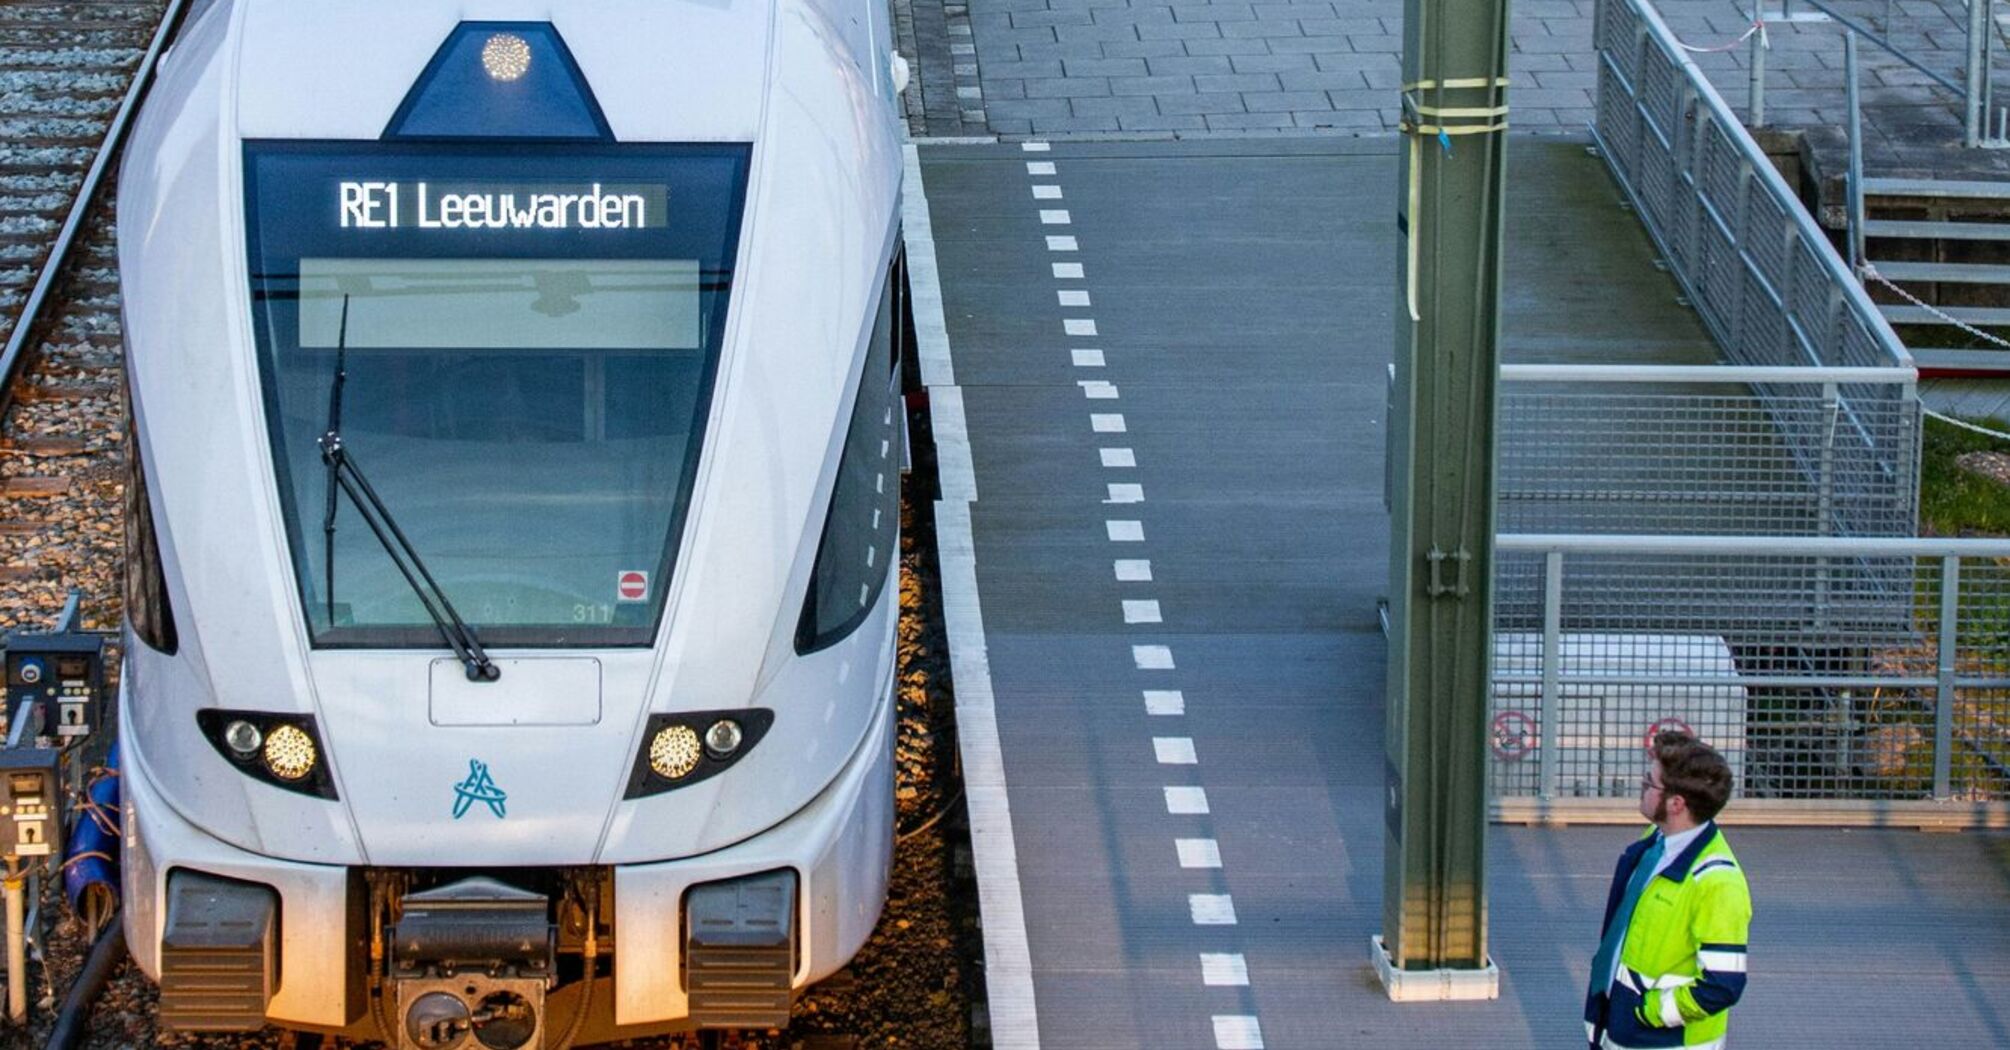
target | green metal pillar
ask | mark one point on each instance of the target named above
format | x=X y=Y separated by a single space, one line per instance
x=1434 y=915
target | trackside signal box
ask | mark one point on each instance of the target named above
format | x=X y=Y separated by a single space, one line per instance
x=62 y=674
x=31 y=802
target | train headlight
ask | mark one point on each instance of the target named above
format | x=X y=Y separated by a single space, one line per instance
x=243 y=737
x=674 y=752
x=283 y=750
x=506 y=57
x=723 y=738
x=683 y=748
x=290 y=753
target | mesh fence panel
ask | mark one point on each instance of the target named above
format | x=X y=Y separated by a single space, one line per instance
x=1820 y=677
x=1715 y=459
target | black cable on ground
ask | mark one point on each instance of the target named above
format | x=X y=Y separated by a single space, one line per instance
x=106 y=953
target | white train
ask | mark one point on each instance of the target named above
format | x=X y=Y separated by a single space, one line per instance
x=514 y=385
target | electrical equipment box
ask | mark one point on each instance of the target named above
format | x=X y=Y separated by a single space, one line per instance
x=63 y=673
x=31 y=802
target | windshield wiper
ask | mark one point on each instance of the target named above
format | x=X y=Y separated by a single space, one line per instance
x=345 y=474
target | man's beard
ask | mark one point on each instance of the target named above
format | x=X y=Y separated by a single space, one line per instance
x=1661 y=808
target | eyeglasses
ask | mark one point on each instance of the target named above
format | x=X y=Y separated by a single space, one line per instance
x=1648 y=783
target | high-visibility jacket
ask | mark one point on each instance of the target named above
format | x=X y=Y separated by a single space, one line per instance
x=1682 y=965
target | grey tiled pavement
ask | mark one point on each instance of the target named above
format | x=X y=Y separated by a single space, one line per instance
x=1097 y=67
x=1189 y=68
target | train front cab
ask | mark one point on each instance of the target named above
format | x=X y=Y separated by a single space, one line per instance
x=510 y=357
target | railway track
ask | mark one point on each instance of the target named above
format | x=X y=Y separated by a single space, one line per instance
x=65 y=69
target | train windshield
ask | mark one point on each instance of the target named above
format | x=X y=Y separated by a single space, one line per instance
x=528 y=339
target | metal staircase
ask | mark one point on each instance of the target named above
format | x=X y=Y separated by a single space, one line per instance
x=1942 y=249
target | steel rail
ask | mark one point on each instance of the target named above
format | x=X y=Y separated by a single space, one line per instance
x=15 y=354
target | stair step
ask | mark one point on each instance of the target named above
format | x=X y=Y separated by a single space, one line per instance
x=1937 y=231
x=1953 y=273
x=1938 y=363
x=1894 y=187
x=1975 y=315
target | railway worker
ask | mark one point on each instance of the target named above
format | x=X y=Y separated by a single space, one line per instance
x=1671 y=955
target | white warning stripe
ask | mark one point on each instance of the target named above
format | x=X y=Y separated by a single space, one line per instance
x=1152 y=657
x=1008 y=962
x=1211 y=909
x=1224 y=970
x=1237 y=1032
x=1198 y=853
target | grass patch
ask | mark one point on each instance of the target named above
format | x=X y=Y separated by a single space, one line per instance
x=1957 y=502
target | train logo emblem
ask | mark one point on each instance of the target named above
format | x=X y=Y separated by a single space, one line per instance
x=478 y=787
x=632 y=586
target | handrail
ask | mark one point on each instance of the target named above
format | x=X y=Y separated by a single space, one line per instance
x=1776 y=546
x=12 y=356
x=1703 y=374
x=1775 y=184
x=1855 y=187
x=1855 y=26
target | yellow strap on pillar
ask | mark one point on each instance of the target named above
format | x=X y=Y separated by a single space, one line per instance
x=1494 y=119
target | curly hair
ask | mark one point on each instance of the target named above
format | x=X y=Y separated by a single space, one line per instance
x=1694 y=770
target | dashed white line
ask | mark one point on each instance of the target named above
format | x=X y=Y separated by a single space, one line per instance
x=1224 y=970
x=1152 y=657
x=1231 y=1031
x=1211 y=909
x=1198 y=851
x=1237 y=1032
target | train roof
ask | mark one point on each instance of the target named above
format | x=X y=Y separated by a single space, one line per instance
x=659 y=70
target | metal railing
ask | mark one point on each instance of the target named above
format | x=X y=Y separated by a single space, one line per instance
x=1852 y=680
x=1975 y=92
x=1711 y=450
x=1760 y=273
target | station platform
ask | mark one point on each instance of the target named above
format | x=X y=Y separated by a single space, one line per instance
x=1157 y=373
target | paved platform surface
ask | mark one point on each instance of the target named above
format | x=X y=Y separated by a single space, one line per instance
x=1200 y=68
x=1170 y=362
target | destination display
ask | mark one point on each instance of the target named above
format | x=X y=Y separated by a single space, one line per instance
x=385 y=205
